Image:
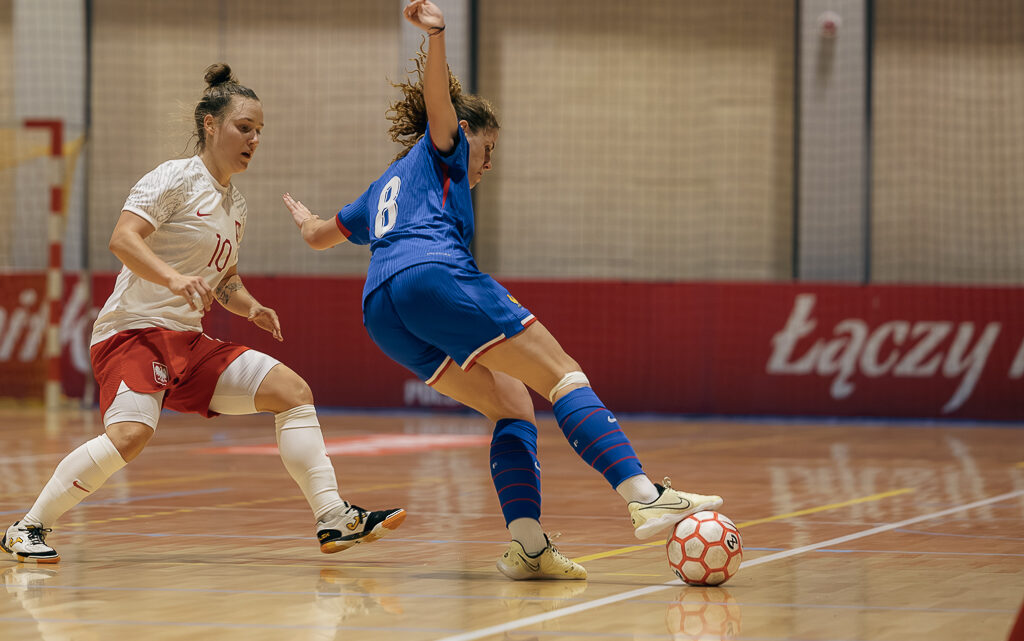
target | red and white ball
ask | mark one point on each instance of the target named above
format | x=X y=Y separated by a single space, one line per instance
x=705 y=549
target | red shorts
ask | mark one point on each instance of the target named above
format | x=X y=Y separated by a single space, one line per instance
x=185 y=364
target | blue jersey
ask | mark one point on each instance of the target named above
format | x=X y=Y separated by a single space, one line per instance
x=418 y=211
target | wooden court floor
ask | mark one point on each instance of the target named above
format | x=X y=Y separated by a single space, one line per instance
x=852 y=532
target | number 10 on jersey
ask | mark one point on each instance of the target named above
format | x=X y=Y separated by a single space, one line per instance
x=221 y=254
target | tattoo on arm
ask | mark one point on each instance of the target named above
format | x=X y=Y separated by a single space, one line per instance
x=225 y=290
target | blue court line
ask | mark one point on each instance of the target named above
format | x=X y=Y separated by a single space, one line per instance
x=783 y=420
x=965 y=536
x=149 y=497
x=501 y=597
x=218 y=624
x=537 y=633
x=546 y=633
x=266 y=537
x=915 y=552
x=526 y=622
x=369 y=595
x=825 y=606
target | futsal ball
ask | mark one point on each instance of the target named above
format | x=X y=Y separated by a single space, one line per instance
x=705 y=549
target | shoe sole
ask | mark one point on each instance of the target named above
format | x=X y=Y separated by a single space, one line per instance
x=513 y=573
x=655 y=526
x=48 y=560
x=382 y=529
x=517 y=574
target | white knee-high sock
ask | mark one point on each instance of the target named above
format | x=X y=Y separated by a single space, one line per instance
x=302 y=449
x=81 y=473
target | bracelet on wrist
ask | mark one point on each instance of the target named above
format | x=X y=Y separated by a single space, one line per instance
x=433 y=31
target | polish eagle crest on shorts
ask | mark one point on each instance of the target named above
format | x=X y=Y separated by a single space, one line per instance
x=160 y=373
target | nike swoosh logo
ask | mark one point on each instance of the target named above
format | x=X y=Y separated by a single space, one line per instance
x=535 y=567
x=681 y=504
x=75 y=483
x=612 y=419
x=200 y=214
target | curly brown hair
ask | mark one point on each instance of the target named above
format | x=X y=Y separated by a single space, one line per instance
x=409 y=115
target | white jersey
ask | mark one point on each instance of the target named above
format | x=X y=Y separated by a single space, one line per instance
x=199 y=225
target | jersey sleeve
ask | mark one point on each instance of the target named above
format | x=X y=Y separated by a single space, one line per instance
x=457 y=158
x=157 y=195
x=354 y=220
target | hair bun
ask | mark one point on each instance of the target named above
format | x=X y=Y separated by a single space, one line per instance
x=217 y=74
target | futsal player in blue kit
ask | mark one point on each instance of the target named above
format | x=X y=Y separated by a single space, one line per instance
x=428 y=307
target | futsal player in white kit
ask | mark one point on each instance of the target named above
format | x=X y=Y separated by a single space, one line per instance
x=178 y=237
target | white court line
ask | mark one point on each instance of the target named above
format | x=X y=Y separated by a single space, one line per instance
x=615 y=598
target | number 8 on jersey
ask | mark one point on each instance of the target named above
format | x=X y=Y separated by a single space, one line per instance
x=387 y=207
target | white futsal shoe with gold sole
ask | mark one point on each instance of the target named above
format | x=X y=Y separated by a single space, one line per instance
x=671 y=507
x=549 y=563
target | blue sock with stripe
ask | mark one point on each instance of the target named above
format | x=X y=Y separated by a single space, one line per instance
x=515 y=470
x=594 y=433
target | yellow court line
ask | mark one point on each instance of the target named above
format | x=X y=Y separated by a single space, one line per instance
x=276 y=499
x=831 y=506
x=631 y=548
x=812 y=510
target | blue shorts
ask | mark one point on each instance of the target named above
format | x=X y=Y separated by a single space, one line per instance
x=428 y=315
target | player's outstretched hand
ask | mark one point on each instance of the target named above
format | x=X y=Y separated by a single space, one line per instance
x=425 y=15
x=266 y=318
x=300 y=213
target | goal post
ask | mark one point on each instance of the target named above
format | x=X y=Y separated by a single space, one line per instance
x=32 y=221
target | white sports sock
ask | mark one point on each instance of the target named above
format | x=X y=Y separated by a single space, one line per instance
x=81 y=473
x=638 y=489
x=529 y=533
x=301 y=444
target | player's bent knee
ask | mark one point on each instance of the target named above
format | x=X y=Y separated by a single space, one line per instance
x=281 y=390
x=511 y=400
x=572 y=379
x=520 y=407
x=240 y=383
x=129 y=438
x=497 y=408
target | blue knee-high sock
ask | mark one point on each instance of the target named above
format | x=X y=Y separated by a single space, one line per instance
x=595 y=434
x=515 y=470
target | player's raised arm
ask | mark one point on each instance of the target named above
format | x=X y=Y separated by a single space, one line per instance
x=317 y=232
x=444 y=123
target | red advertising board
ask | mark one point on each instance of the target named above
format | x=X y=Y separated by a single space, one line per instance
x=706 y=348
